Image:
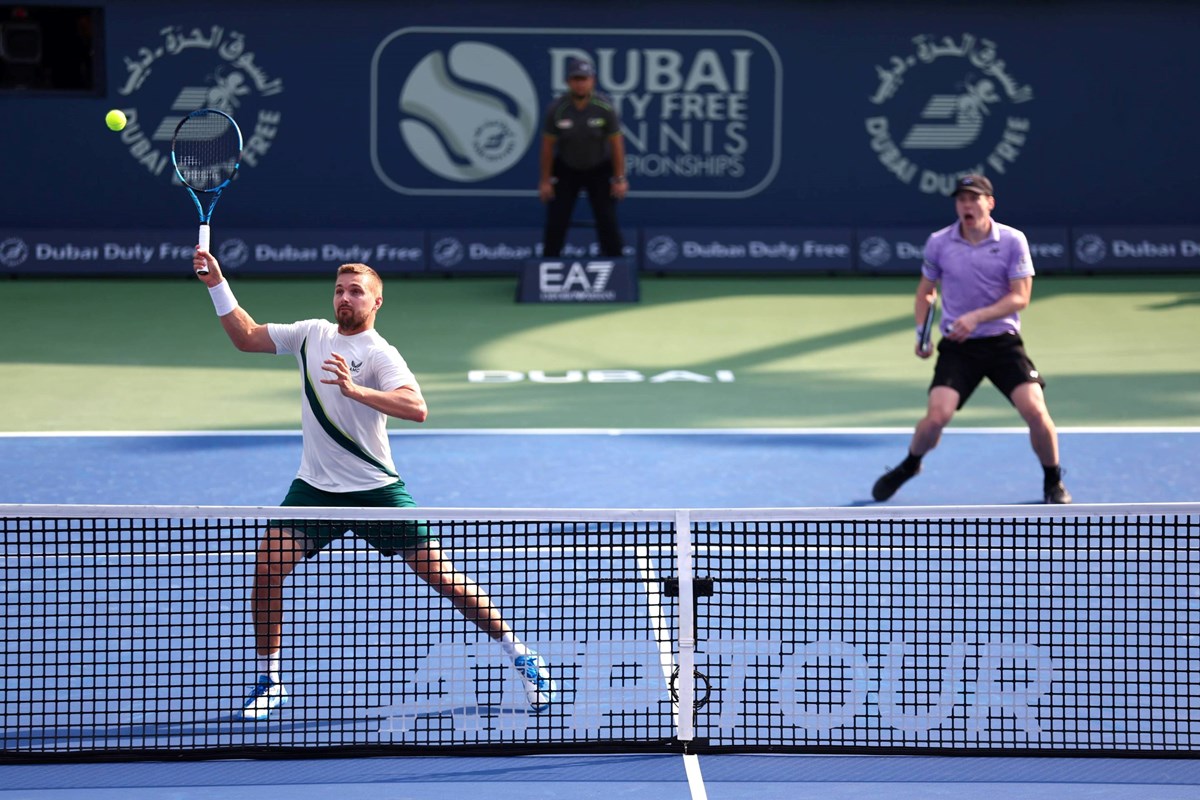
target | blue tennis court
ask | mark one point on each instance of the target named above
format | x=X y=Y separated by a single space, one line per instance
x=583 y=470
x=598 y=777
x=611 y=469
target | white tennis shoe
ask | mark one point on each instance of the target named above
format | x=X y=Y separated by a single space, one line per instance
x=266 y=696
x=540 y=689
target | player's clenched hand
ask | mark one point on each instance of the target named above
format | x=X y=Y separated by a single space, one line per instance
x=546 y=190
x=925 y=352
x=202 y=259
x=337 y=367
x=962 y=328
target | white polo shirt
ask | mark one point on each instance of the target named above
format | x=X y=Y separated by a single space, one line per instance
x=345 y=442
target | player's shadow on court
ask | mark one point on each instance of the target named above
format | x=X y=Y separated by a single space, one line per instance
x=165 y=735
x=804 y=346
x=1178 y=302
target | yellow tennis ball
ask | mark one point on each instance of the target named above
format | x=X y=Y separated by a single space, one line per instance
x=115 y=119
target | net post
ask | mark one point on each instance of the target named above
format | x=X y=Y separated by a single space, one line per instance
x=685 y=710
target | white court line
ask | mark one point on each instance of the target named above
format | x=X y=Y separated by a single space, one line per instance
x=658 y=618
x=691 y=766
x=606 y=432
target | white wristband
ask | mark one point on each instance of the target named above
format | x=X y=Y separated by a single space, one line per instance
x=222 y=297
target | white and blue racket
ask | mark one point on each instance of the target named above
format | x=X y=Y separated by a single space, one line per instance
x=206 y=150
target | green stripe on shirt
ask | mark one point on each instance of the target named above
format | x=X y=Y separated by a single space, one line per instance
x=337 y=434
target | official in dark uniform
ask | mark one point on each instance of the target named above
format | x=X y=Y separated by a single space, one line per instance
x=582 y=148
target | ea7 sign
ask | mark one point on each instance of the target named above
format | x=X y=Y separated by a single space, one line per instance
x=571 y=281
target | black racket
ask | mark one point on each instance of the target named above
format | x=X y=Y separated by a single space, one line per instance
x=925 y=339
x=206 y=150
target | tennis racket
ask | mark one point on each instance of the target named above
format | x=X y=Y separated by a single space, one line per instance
x=926 y=337
x=206 y=150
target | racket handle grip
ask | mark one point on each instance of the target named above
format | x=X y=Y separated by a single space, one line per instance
x=203 y=241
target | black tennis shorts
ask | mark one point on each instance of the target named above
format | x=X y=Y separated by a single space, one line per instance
x=1002 y=359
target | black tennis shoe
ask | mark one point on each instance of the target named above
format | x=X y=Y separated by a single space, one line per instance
x=1056 y=493
x=892 y=480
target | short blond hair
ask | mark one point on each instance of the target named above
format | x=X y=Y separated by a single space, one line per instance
x=363 y=269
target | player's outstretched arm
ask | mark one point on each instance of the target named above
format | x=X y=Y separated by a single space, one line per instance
x=246 y=334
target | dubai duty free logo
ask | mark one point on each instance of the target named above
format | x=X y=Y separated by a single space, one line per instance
x=13 y=252
x=180 y=72
x=875 y=251
x=458 y=111
x=947 y=108
x=470 y=112
x=467 y=111
x=1091 y=249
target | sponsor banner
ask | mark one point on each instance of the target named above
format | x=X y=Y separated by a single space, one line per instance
x=891 y=251
x=612 y=280
x=747 y=249
x=503 y=250
x=882 y=251
x=458 y=111
x=247 y=252
x=884 y=110
x=95 y=252
x=1050 y=248
x=291 y=252
x=900 y=251
x=1136 y=249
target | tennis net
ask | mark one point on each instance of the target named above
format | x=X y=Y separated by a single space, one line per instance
x=129 y=631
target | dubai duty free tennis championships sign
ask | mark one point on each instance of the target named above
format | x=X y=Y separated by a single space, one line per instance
x=458 y=111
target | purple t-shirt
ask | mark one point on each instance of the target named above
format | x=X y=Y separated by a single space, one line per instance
x=976 y=275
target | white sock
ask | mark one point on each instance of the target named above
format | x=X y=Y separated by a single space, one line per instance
x=512 y=646
x=269 y=666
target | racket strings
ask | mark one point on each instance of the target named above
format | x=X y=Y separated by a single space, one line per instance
x=207 y=149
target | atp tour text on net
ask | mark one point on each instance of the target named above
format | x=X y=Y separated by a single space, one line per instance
x=816 y=686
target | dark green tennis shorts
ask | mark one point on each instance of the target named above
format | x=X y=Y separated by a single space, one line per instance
x=386 y=536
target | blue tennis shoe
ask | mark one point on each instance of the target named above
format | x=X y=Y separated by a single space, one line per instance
x=266 y=696
x=540 y=689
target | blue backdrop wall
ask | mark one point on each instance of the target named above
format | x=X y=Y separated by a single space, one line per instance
x=836 y=128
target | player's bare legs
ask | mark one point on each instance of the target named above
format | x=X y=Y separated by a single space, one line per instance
x=1031 y=403
x=432 y=565
x=943 y=402
x=277 y=556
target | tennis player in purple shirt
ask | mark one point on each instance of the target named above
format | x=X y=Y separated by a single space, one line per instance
x=985 y=273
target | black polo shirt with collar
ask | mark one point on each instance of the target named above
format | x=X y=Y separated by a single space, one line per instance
x=582 y=135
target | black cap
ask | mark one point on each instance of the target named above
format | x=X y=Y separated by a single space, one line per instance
x=579 y=68
x=977 y=184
